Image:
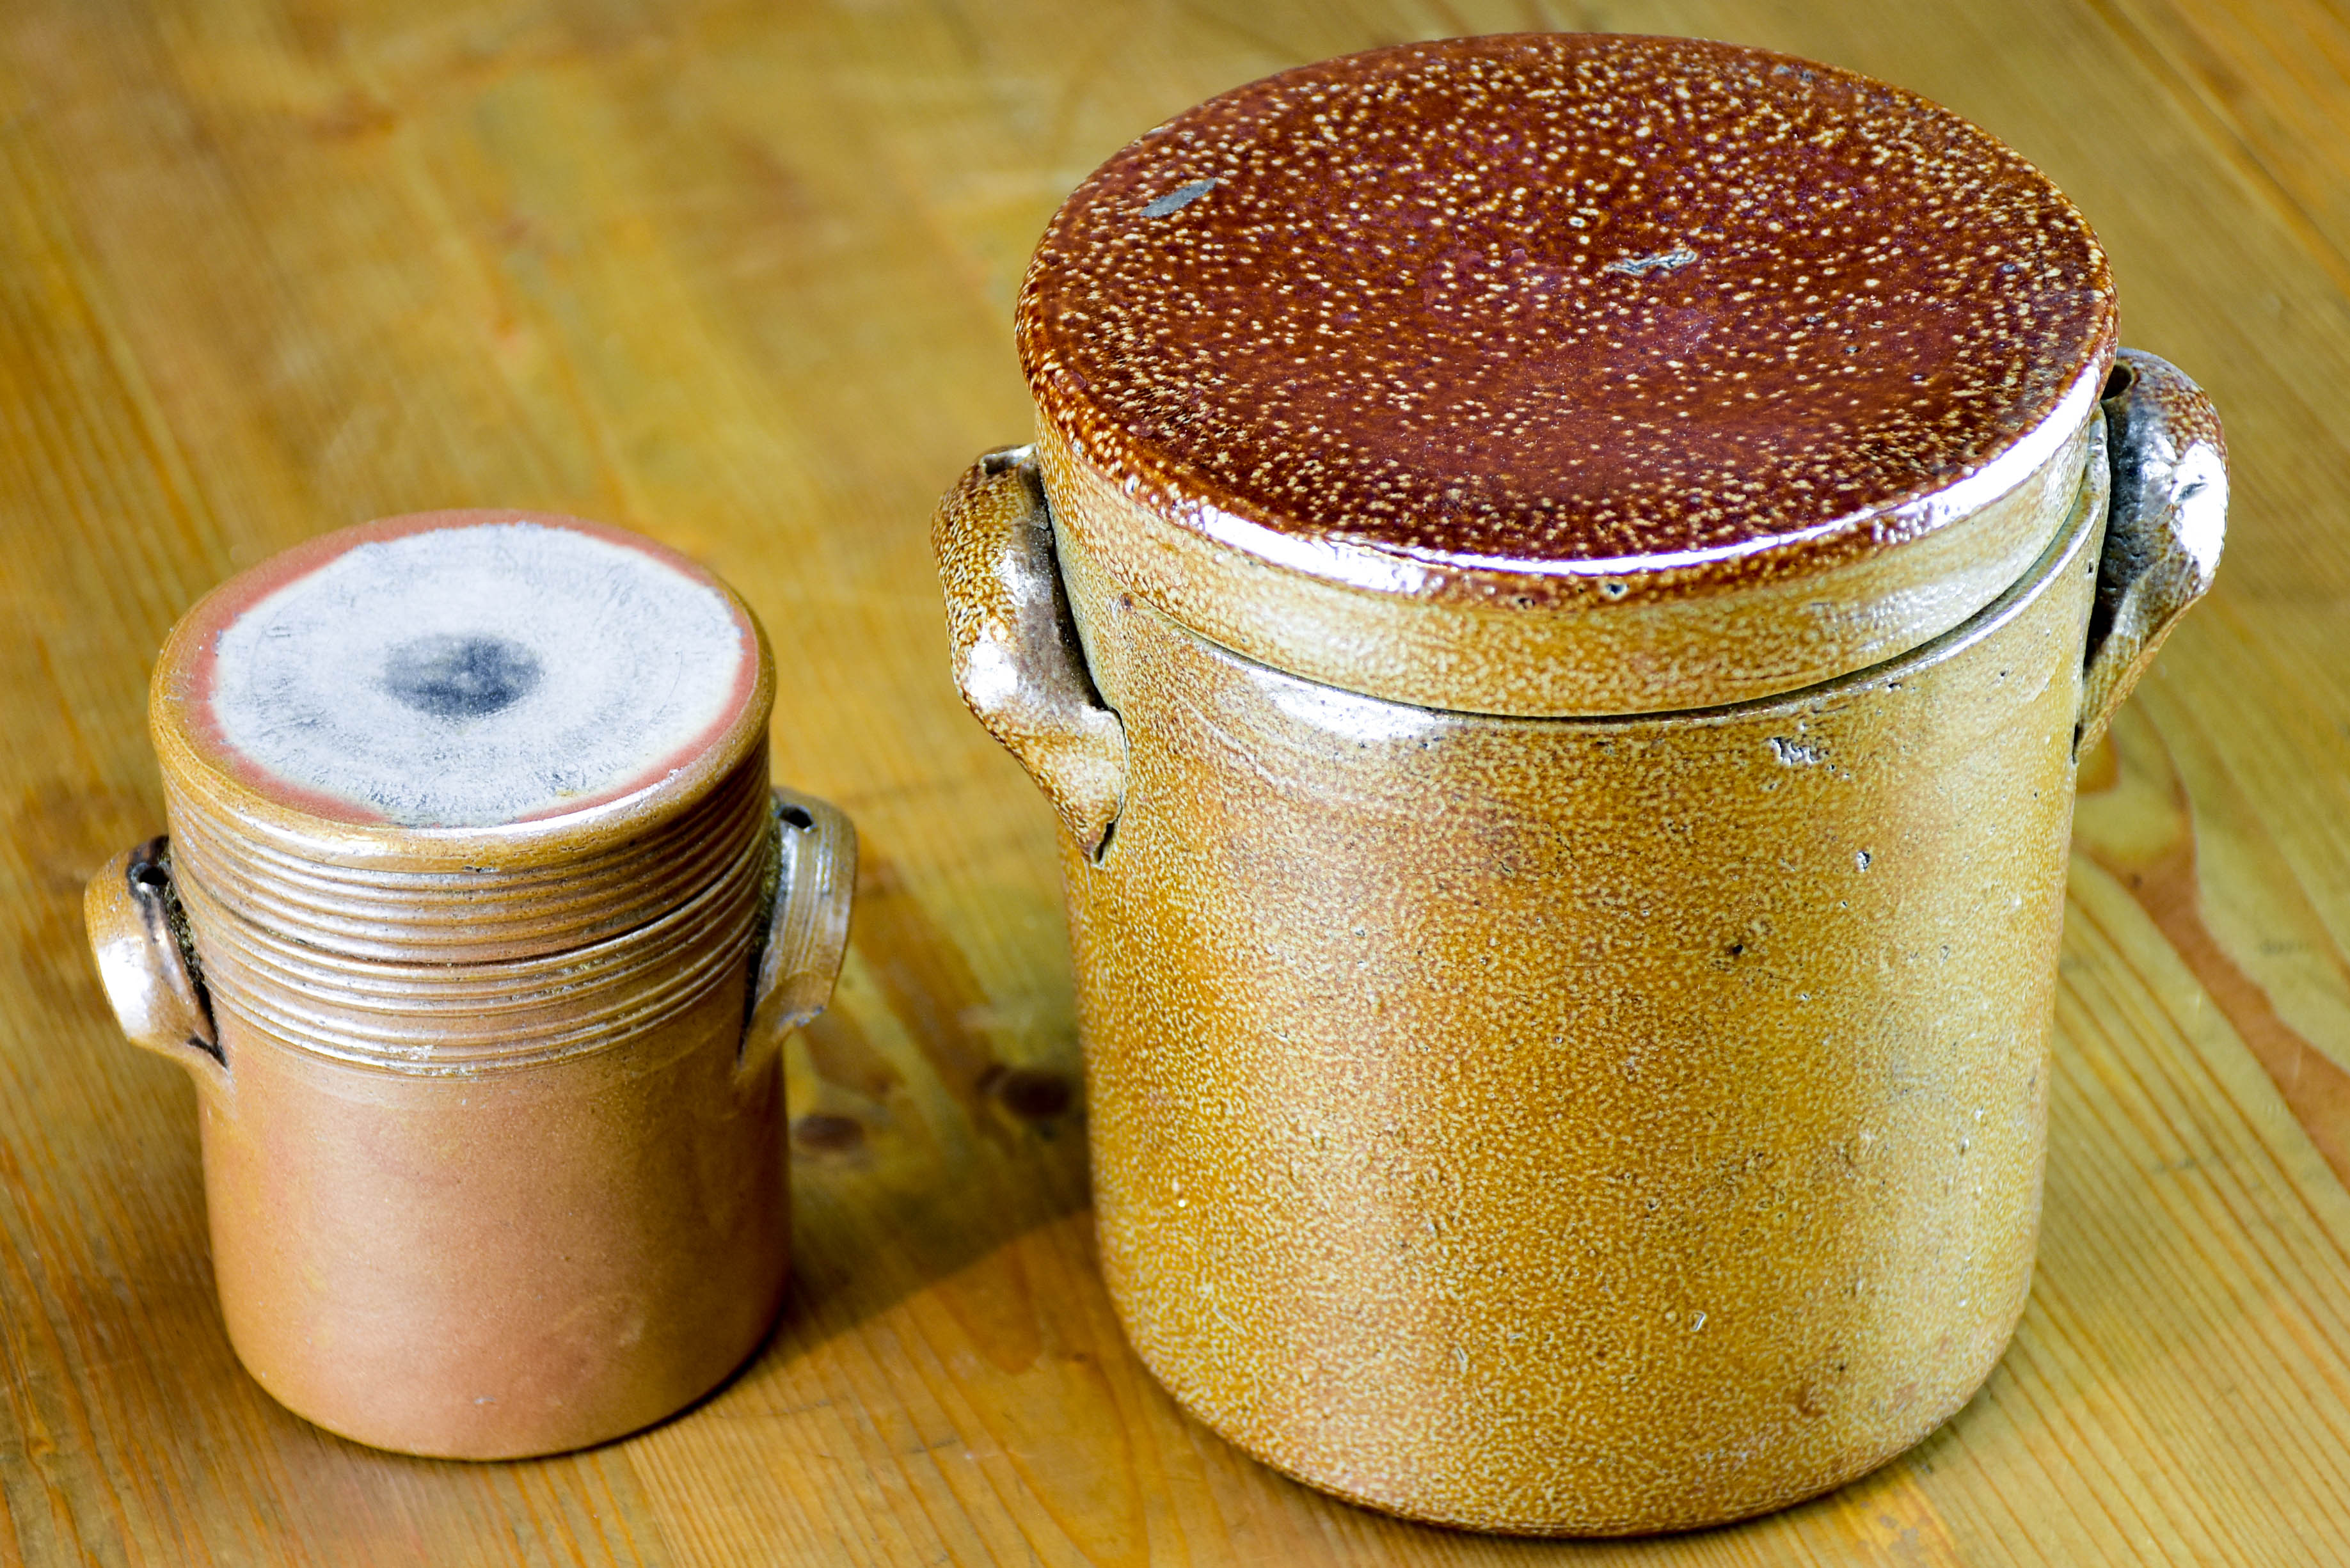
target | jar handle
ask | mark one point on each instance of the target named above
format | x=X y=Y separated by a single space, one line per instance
x=2164 y=528
x=807 y=927
x=1017 y=660
x=145 y=959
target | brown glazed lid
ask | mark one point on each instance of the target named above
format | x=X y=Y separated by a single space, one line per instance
x=1567 y=373
x=473 y=735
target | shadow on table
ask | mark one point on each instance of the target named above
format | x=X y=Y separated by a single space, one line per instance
x=917 y=1150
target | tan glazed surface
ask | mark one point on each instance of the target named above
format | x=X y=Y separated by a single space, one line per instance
x=492 y=1108
x=1599 y=1126
x=513 y=1263
x=1564 y=953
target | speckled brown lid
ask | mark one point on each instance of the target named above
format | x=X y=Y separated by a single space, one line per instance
x=1511 y=317
x=1559 y=302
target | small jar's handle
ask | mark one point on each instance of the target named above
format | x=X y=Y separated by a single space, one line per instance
x=2167 y=521
x=1016 y=656
x=808 y=927
x=145 y=959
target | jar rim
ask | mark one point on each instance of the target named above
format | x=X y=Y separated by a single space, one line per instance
x=312 y=823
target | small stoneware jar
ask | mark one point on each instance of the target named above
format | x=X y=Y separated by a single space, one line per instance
x=1556 y=594
x=478 y=927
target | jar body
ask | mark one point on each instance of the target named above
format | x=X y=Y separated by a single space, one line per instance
x=1578 y=1126
x=479 y=925
x=504 y=1260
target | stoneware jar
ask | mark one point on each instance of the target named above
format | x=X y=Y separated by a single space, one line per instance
x=478 y=927
x=1556 y=594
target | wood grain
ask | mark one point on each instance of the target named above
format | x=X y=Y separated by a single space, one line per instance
x=738 y=274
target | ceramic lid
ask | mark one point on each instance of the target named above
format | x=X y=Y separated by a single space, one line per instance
x=1567 y=326
x=564 y=722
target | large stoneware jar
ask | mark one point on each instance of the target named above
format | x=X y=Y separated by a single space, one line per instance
x=1556 y=592
x=478 y=926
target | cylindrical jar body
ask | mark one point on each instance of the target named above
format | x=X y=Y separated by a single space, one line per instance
x=479 y=926
x=1578 y=1126
x=503 y=1261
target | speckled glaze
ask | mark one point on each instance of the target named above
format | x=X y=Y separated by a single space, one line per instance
x=1590 y=1126
x=491 y=1116
x=1499 y=351
x=1566 y=969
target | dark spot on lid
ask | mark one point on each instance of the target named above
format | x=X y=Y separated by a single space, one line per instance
x=460 y=677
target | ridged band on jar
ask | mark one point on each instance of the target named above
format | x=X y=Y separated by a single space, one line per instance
x=439 y=1019
x=500 y=906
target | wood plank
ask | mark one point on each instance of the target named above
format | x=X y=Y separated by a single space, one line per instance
x=739 y=276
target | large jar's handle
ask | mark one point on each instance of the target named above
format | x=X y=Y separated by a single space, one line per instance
x=145 y=959
x=808 y=927
x=1016 y=656
x=2167 y=520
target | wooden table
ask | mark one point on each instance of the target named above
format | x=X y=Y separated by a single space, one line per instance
x=740 y=274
